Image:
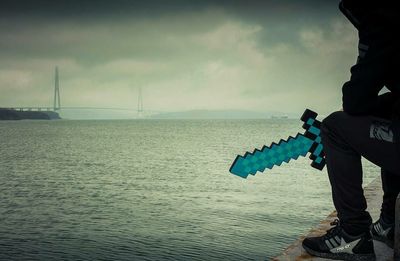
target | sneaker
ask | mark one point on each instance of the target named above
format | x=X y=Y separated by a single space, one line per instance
x=337 y=244
x=383 y=232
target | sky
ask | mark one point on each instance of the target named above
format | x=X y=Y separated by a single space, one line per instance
x=266 y=55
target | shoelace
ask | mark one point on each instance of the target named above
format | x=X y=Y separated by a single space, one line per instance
x=335 y=222
x=334 y=230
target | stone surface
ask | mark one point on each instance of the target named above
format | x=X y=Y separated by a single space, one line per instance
x=373 y=192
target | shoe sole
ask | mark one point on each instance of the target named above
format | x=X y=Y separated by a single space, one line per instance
x=342 y=256
x=384 y=240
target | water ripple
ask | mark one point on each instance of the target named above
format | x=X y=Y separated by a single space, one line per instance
x=150 y=190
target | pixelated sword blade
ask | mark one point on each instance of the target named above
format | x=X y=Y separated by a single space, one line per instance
x=274 y=155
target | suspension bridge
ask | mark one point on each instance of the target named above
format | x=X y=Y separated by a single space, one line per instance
x=57 y=103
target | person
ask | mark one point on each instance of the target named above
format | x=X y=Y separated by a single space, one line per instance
x=368 y=126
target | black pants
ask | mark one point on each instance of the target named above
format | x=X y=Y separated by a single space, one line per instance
x=345 y=139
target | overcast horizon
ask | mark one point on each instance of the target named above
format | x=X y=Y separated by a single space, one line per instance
x=185 y=55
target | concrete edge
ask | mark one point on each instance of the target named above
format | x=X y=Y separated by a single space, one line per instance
x=373 y=193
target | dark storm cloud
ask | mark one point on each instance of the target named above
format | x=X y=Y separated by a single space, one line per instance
x=283 y=19
x=187 y=54
x=91 y=9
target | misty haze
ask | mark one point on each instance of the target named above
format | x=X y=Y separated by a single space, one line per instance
x=260 y=56
x=119 y=121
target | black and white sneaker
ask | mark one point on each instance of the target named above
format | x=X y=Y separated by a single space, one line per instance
x=383 y=232
x=337 y=244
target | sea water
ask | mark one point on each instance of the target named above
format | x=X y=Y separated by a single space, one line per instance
x=152 y=190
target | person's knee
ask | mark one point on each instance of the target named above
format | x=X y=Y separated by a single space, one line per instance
x=332 y=121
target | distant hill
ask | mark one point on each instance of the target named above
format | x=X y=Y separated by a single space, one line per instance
x=7 y=114
x=220 y=114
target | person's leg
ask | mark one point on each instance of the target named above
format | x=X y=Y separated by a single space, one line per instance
x=345 y=139
x=383 y=229
x=391 y=188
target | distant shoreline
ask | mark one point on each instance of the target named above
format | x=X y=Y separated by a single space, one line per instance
x=222 y=114
x=9 y=114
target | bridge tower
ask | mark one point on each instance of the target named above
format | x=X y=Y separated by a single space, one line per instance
x=57 y=103
x=140 y=103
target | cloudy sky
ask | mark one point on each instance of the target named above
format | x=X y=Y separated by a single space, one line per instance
x=242 y=55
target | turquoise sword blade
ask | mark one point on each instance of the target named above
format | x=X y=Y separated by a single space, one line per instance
x=285 y=150
x=273 y=155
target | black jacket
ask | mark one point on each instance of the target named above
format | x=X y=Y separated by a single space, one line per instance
x=371 y=15
x=378 y=63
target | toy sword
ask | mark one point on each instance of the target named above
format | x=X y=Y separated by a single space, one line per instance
x=285 y=150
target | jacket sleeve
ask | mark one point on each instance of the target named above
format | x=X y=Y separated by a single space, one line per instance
x=368 y=75
x=360 y=93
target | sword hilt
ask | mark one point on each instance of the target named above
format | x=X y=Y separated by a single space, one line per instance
x=313 y=131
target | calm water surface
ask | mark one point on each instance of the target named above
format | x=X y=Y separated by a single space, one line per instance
x=151 y=190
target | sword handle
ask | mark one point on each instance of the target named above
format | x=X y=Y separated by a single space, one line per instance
x=313 y=130
x=307 y=114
